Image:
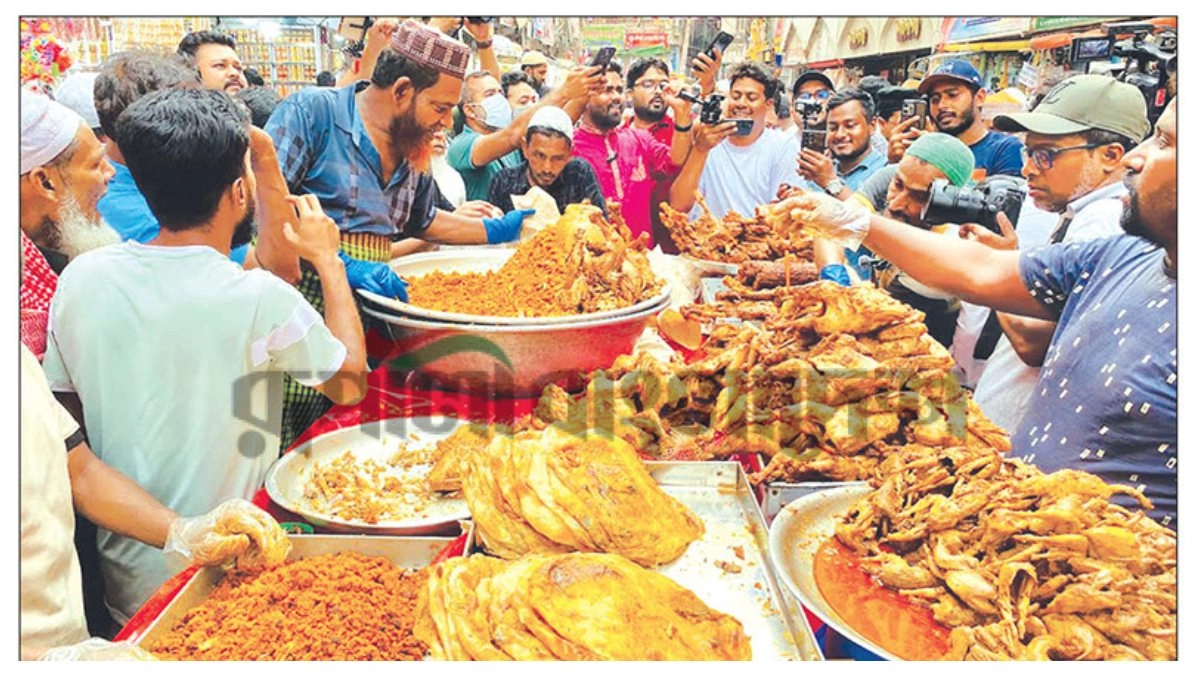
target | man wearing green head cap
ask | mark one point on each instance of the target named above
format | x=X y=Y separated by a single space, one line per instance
x=900 y=191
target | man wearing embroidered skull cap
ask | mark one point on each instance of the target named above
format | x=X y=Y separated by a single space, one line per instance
x=1106 y=400
x=363 y=151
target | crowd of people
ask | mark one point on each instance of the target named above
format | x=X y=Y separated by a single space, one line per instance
x=190 y=243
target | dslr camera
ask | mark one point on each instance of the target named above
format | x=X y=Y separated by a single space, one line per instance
x=710 y=108
x=808 y=108
x=979 y=203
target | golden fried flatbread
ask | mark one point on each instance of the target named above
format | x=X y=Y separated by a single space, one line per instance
x=612 y=607
x=602 y=484
x=528 y=474
x=451 y=454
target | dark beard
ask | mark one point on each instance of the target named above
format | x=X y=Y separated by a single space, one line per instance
x=968 y=120
x=246 y=228
x=408 y=139
x=858 y=152
x=649 y=114
x=602 y=120
x=1131 y=220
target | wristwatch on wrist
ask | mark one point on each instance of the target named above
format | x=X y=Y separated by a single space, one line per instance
x=483 y=45
x=835 y=187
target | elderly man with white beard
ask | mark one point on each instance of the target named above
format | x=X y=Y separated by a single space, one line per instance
x=63 y=175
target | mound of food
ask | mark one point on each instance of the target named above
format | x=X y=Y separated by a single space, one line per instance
x=339 y=607
x=577 y=607
x=735 y=239
x=580 y=265
x=1019 y=564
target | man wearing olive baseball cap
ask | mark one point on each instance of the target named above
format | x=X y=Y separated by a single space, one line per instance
x=1075 y=142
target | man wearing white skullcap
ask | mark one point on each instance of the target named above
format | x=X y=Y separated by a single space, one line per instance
x=63 y=175
x=548 y=165
x=77 y=92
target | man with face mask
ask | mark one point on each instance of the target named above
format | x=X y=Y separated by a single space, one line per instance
x=520 y=92
x=153 y=346
x=63 y=175
x=1075 y=141
x=1106 y=398
x=548 y=165
x=628 y=160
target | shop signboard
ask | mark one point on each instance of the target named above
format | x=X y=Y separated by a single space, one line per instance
x=970 y=28
x=908 y=29
x=1028 y=77
x=642 y=39
x=602 y=35
x=1048 y=23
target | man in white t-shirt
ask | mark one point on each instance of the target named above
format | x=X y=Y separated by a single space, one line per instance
x=738 y=173
x=1075 y=141
x=175 y=353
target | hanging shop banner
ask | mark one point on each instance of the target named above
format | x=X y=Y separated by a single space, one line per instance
x=602 y=35
x=964 y=29
x=1044 y=23
x=1028 y=77
x=645 y=39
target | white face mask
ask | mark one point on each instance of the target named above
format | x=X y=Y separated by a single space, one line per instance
x=497 y=114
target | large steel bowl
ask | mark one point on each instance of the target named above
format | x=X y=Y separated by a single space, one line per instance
x=480 y=261
x=513 y=360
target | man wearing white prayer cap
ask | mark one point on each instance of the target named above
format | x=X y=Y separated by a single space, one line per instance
x=77 y=92
x=64 y=173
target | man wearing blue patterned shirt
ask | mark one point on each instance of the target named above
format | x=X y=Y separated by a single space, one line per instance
x=1106 y=400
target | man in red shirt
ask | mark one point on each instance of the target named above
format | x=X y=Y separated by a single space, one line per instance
x=647 y=82
x=628 y=160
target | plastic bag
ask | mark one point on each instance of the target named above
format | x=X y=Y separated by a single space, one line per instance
x=235 y=529
x=98 y=649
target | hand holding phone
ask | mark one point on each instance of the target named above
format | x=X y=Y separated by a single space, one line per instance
x=604 y=57
x=914 y=107
x=813 y=139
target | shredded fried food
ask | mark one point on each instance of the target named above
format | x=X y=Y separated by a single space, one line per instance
x=1021 y=564
x=362 y=489
x=578 y=606
x=556 y=491
x=735 y=239
x=339 y=607
x=580 y=265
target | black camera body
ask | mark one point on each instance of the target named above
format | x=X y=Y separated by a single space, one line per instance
x=979 y=203
x=1150 y=59
x=808 y=108
x=710 y=108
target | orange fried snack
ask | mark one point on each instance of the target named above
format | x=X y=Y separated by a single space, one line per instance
x=343 y=607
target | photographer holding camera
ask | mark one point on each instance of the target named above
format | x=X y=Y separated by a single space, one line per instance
x=738 y=163
x=1075 y=141
x=1105 y=401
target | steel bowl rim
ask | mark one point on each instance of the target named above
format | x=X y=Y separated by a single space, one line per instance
x=410 y=322
x=409 y=309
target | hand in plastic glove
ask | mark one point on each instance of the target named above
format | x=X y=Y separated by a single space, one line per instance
x=98 y=649
x=235 y=529
x=507 y=228
x=845 y=223
x=375 y=277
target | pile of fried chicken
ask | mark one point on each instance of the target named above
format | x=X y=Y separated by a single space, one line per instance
x=1019 y=563
x=734 y=239
x=572 y=607
x=580 y=265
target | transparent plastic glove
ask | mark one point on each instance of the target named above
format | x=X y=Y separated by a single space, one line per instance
x=98 y=649
x=845 y=223
x=376 y=277
x=507 y=227
x=235 y=529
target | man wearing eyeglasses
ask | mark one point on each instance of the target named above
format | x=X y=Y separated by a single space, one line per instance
x=811 y=87
x=1106 y=400
x=1075 y=141
x=646 y=85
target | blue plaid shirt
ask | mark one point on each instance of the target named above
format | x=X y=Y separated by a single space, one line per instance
x=324 y=150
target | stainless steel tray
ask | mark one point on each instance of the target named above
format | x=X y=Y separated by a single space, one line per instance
x=408 y=552
x=286 y=479
x=778 y=495
x=719 y=494
x=798 y=531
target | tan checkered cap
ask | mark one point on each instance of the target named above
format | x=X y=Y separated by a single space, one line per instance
x=430 y=47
